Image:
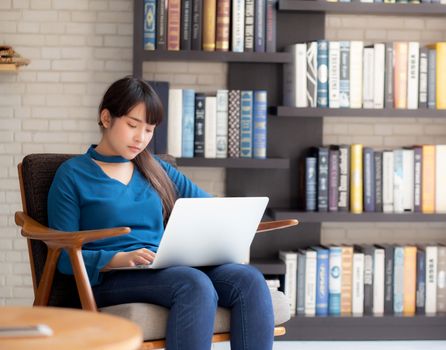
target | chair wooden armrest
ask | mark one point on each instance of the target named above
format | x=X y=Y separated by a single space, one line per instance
x=275 y=225
x=72 y=242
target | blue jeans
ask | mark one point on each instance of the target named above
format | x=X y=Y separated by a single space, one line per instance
x=192 y=295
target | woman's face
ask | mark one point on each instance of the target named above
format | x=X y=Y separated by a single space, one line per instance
x=129 y=135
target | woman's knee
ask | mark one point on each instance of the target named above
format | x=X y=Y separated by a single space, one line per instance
x=196 y=285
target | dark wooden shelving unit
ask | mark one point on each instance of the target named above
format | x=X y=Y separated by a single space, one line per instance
x=284 y=111
x=288 y=140
x=363 y=8
x=240 y=163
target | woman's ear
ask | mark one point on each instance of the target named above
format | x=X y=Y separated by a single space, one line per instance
x=105 y=118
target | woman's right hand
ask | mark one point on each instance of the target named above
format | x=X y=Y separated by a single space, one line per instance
x=141 y=256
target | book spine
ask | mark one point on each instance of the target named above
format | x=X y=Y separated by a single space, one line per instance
x=246 y=124
x=187 y=150
x=413 y=66
x=312 y=74
x=173 y=25
x=238 y=25
x=159 y=142
x=378 y=282
x=223 y=25
x=388 y=281
x=209 y=22
x=322 y=73
x=333 y=179
x=161 y=25
x=322 y=187
x=260 y=124
x=368 y=280
x=174 y=126
x=344 y=178
x=301 y=283
x=422 y=99
x=356 y=59
x=344 y=75
x=197 y=24
x=378 y=166
x=398 y=281
x=200 y=105
x=379 y=79
x=440 y=176
x=400 y=69
x=310 y=183
x=441 y=280
x=322 y=282
x=310 y=283
x=334 y=281
x=149 y=25
x=186 y=25
x=428 y=180
x=249 y=25
x=408 y=180
x=290 y=260
x=431 y=79
x=222 y=124
x=368 y=77
x=334 y=73
x=418 y=158
x=210 y=127
x=421 y=282
x=398 y=204
x=441 y=75
x=356 y=181
x=299 y=81
x=369 y=180
x=431 y=279
x=346 y=280
x=410 y=273
x=234 y=124
x=358 y=285
x=271 y=25
x=389 y=91
x=388 y=181
x=259 y=29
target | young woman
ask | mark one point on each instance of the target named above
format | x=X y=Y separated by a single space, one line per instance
x=119 y=183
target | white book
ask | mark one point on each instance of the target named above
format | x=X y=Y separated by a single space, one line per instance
x=295 y=77
x=398 y=206
x=413 y=63
x=431 y=280
x=310 y=282
x=440 y=178
x=388 y=181
x=334 y=73
x=358 y=284
x=290 y=260
x=368 y=77
x=356 y=48
x=174 y=123
x=334 y=280
x=222 y=124
x=378 y=282
x=210 y=127
x=379 y=62
x=312 y=74
x=238 y=25
x=408 y=179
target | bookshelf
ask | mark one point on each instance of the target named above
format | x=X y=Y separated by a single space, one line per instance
x=291 y=131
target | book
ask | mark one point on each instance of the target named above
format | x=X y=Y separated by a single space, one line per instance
x=400 y=51
x=161 y=25
x=389 y=251
x=187 y=139
x=310 y=282
x=398 y=281
x=368 y=77
x=398 y=171
x=149 y=24
x=294 y=77
x=234 y=124
x=428 y=179
x=418 y=158
x=410 y=277
x=431 y=79
x=210 y=127
x=378 y=280
x=408 y=185
x=186 y=25
x=246 y=119
x=238 y=25
x=173 y=25
x=369 y=179
x=421 y=281
x=290 y=260
x=378 y=75
x=333 y=178
x=441 y=279
x=159 y=141
x=200 y=108
x=344 y=178
x=322 y=73
x=422 y=87
x=222 y=124
x=310 y=183
x=368 y=251
x=389 y=80
x=209 y=24
x=174 y=123
x=312 y=84
x=197 y=27
x=223 y=25
x=413 y=65
x=271 y=25
x=440 y=176
x=378 y=185
x=431 y=280
x=440 y=74
x=300 y=282
x=322 y=272
x=259 y=124
x=334 y=280
x=249 y=26
x=356 y=181
x=358 y=284
x=259 y=26
x=334 y=74
x=388 y=176
x=344 y=74
x=346 y=280
x=322 y=187
x=356 y=59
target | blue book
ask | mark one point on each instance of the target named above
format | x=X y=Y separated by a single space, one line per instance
x=259 y=27
x=398 y=281
x=322 y=273
x=159 y=141
x=344 y=78
x=421 y=282
x=259 y=124
x=246 y=102
x=322 y=73
x=369 y=179
x=187 y=149
x=334 y=281
x=149 y=24
x=310 y=183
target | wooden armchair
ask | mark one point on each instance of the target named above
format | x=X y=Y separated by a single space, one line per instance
x=52 y=288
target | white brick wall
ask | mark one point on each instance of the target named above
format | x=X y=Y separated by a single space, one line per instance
x=78 y=48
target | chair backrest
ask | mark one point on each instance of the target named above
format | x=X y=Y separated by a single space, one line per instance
x=37 y=173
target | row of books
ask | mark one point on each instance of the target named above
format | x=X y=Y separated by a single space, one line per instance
x=231 y=124
x=356 y=178
x=210 y=25
x=366 y=279
x=349 y=74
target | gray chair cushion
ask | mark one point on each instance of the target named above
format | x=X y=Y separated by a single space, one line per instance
x=153 y=318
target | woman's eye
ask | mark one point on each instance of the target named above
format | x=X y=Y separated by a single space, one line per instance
x=131 y=125
x=148 y=130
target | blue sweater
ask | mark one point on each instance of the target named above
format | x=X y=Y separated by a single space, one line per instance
x=83 y=197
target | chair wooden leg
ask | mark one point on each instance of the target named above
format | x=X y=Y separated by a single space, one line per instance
x=46 y=281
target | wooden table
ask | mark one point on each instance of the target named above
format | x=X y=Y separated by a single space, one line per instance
x=73 y=329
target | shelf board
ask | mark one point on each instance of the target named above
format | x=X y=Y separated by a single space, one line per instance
x=303 y=216
x=386 y=327
x=270 y=163
x=294 y=112
x=214 y=56
x=269 y=266
x=363 y=8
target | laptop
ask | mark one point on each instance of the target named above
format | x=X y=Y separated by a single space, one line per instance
x=208 y=231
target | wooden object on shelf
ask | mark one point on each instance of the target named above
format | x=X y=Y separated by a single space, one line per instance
x=8 y=67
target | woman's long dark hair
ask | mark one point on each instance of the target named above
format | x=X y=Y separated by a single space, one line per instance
x=119 y=100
